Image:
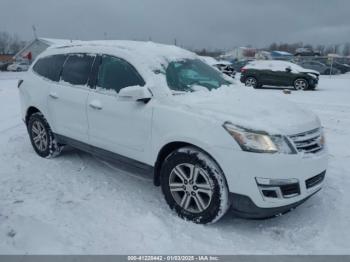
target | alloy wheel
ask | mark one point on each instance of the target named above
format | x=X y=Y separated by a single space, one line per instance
x=39 y=136
x=191 y=187
x=300 y=84
x=250 y=82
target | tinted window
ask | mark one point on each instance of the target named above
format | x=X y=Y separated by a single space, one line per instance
x=116 y=74
x=50 y=67
x=77 y=69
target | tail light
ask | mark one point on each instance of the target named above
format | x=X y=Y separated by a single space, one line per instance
x=243 y=70
x=19 y=83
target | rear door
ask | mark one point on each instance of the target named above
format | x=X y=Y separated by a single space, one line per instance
x=67 y=99
x=268 y=75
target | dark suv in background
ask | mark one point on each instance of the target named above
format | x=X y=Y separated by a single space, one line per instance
x=320 y=67
x=278 y=73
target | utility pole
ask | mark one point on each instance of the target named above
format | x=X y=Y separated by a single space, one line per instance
x=175 y=41
x=105 y=35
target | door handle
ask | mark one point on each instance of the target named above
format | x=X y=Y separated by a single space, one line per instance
x=53 y=95
x=95 y=105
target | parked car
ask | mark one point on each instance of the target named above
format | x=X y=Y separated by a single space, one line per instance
x=18 y=67
x=307 y=52
x=150 y=106
x=3 y=66
x=343 y=68
x=319 y=67
x=278 y=73
x=224 y=66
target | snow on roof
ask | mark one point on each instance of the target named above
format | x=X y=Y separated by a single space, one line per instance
x=149 y=58
x=275 y=65
x=154 y=53
x=209 y=60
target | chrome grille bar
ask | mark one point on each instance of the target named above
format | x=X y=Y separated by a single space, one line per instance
x=308 y=142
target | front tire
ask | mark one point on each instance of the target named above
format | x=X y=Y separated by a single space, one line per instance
x=41 y=137
x=301 y=84
x=194 y=186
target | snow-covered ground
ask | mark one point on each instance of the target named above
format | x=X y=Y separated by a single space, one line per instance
x=79 y=204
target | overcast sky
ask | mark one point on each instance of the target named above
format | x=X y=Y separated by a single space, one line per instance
x=194 y=23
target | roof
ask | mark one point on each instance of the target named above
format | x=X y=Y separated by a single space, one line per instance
x=149 y=58
x=126 y=49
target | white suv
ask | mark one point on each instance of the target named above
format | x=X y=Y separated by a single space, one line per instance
x=210 y=144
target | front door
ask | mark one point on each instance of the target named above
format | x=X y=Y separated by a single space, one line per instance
x=117 y=124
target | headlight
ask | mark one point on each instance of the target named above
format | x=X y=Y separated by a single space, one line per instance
x=258 y=142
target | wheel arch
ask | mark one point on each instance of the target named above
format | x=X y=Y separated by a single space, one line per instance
x=30 y=111
x=166 y=150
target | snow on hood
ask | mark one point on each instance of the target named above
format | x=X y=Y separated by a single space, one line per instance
x=250 y=109
x=276 y=65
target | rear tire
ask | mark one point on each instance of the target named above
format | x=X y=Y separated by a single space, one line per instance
x=251 y=81
x=41 y=137
x=194 y=186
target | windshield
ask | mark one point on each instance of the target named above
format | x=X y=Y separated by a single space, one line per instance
x=193 y=75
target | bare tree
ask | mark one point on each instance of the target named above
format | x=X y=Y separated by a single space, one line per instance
x=346 y=50
x=10 y=44
x=5 y=39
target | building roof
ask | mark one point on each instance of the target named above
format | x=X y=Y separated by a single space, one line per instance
x=46 y=41
x=281 y=53
x=54 y=41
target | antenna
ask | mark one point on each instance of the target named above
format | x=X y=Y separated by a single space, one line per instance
x=34 y=32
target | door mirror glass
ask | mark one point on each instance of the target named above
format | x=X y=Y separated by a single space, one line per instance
x=137 y=93
x=288 y=69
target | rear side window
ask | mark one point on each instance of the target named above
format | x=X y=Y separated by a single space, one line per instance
x=76 y=70
x=115 y=74
x=50 y=67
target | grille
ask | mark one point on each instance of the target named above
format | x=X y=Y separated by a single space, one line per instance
x=290 y=190
x=314 y=181
x=308 y=142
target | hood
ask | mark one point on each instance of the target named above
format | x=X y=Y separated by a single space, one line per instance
x=250 y=109
x=310 y=71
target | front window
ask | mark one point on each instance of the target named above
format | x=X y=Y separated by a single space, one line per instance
x=193 y=75
x=115 y=74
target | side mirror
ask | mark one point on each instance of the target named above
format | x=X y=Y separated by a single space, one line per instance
x=288 y=69
x=137 y=93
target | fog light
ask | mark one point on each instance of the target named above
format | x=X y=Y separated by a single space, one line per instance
x=278 y=188
x=275 y=182
x=269 y=193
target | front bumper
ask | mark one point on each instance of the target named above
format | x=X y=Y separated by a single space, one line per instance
x=313 y=82
x=242 y=78
x=242 y=168
x=244 y=207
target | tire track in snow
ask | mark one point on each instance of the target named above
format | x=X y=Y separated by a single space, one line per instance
x=10 y=128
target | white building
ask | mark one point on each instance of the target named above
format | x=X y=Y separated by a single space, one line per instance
x=239 y=53
x=36 y=47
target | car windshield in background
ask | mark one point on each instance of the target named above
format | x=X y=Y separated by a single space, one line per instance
x=193 y=75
